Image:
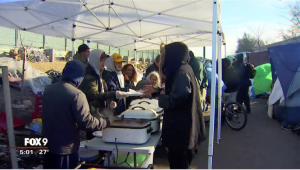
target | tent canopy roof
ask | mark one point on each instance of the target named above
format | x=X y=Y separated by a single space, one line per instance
x=117 y=23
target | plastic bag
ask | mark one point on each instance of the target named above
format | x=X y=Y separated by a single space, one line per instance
x=36 y=126
x=36 y=79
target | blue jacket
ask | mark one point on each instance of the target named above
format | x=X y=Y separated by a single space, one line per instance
x=208 y=73
x=113 y=84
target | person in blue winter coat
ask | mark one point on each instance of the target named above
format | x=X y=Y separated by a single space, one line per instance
x=209 y=80
x=65 y=112
x=115 y=81
x=208 y=74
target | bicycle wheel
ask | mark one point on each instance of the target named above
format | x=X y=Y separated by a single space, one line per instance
x=235 y=116
x=296 y=128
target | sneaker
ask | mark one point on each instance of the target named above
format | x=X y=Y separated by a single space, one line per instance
x=249 y=111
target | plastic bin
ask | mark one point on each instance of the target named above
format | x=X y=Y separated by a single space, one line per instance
x=17 y=122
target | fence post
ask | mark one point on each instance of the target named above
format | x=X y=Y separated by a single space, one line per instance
x=66 y=44
x=44 y=41
x=16 y=37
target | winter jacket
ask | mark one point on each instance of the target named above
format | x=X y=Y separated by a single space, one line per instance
x=95 y=87
x=209 y=79
x=92 y=86
x=152 y=67
x=241 y=70
x=82 y=60
x=129 y=84
x=183 y=126
x=229 y=77
x=66 y=111
x=199 y=71
x=112 y=79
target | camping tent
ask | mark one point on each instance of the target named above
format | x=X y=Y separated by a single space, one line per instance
x=263 y=79
x=286 y=62
x=129 y=24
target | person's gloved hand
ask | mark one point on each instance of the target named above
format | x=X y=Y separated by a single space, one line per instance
x=111 y=121
x=148 y=90
x=120 y=94
x=112 y=105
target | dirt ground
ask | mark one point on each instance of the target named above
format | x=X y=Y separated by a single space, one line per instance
x=59 y=66
x=45 y=66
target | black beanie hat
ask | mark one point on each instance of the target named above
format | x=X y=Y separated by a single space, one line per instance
x=83 y=48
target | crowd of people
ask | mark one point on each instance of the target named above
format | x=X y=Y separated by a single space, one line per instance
x=92 y=92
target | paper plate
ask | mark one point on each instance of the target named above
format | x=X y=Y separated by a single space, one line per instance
x=133 y=93
x=97 y=134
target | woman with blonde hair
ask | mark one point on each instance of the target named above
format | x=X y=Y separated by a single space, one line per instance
x=152 y=79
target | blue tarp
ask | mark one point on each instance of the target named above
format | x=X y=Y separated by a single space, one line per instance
x=285 y=60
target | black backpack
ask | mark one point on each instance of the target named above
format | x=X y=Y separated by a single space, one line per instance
x=251 y=72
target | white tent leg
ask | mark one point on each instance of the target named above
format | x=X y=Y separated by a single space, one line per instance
x=213 y=88
x=9 y=118
x=219 y=87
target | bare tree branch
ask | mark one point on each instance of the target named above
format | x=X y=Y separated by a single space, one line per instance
x=294 y=17
x=258 y=32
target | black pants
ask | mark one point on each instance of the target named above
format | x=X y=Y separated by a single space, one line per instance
x=180 y=159
x=53 y=161
x=242 y=96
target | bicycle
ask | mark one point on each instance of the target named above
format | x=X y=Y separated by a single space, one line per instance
x=296 y=129
x=231 y=112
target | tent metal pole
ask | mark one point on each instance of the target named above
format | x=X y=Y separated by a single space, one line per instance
x=73 y=40
x=213 y=87
x=88 y=42
x=219 y=85
x=109 y=6
x=135 y=56
x=73 y=48
x=204 y=52
x=9 y=118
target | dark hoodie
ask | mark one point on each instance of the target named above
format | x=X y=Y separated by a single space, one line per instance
x=241 y=69
x=198 y=68
x=229 y=77
x=183 y=126
x=66 y=111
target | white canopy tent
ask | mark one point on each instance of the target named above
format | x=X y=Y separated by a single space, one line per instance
x=128 y=24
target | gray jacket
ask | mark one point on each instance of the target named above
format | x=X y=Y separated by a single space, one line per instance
x=65 y=112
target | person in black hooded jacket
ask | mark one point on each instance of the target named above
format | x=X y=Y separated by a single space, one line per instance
x=183 y=128
x=243 y=92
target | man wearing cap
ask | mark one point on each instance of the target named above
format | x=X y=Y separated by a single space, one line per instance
x=65 y=112
x=82 y=54
x=154 y=66
x=115 y=79
x=95 y=88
